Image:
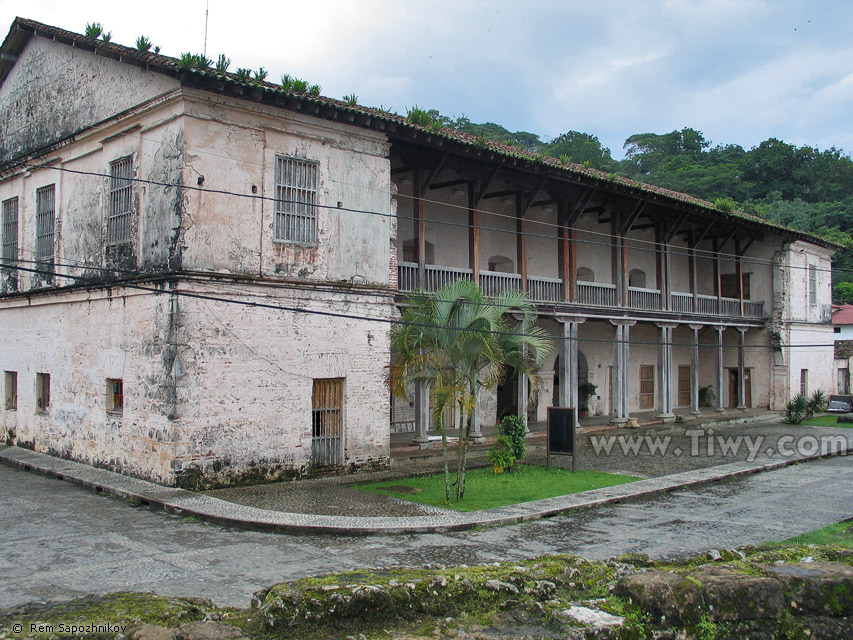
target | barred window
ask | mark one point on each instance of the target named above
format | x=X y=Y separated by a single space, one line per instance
x=10 y=241
x=120 y=215
x=296 y=200
x=45 y=225
x=812 y=285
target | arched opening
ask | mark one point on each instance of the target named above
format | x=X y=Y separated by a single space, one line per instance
x=637 y=278
x=585 y=275
x=410 y=251
x=501 y=264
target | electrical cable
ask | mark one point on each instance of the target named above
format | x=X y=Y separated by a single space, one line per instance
x=699 y=254
x=390 y=321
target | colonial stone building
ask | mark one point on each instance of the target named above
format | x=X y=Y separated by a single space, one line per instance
x=200 y=272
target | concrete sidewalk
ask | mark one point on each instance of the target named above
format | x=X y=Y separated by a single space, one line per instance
x=707 y=469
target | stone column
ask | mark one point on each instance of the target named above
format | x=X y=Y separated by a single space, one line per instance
x=620 y=370
x=569 y=361
x=741 y=370
x=665 y=366
x=422 y=421
x=694 y=371
x=720 y=408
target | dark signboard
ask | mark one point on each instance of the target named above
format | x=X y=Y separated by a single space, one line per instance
x=561 y=433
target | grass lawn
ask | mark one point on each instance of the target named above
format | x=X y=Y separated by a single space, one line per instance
x=830 y=420
x=485 y=489
x=840 y=533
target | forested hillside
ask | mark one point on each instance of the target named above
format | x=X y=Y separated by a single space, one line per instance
x=801 y=187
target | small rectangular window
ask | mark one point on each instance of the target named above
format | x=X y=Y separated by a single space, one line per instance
x=42 y=392
x=120 y=215
x=11 y=380
x=295 y=200
x=804 y=382
x=45 y=231
x=812 y=285
x=115 y=395
x=10 y=244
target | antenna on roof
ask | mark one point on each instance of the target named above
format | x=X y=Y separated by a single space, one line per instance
x=206 y=11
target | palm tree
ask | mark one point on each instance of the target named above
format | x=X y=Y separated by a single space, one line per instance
x=458 y=341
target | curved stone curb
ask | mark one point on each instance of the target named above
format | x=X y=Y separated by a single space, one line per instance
x=215 y=510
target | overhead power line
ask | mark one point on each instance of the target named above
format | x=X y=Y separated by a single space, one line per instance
x=387 y=321
x=699 y=254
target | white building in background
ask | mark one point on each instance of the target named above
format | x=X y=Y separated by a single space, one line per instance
x=200 y=272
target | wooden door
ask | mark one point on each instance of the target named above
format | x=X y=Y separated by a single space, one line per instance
x=647 y=386
x=683 y=386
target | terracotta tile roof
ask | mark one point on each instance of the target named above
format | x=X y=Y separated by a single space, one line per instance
x=23 y=28
x=842 y=314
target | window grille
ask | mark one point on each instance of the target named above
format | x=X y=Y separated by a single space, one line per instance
x=10 y=241
x=296 y=201
x=812 y=285
x=327 y=404
x=120 y=216
x=11 y=390
x=42 y=392
x=45 y=224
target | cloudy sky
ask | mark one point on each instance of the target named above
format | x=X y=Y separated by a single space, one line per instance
x=741 y=71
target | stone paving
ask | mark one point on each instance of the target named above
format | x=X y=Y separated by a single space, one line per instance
x=659 y=452
x=60 y=541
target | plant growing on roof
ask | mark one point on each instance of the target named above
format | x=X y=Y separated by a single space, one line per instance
x=222 y=63
x=313 y=89
x=194 y=61
x=457 y=342
x=299 y=85
x=261 y=74
x=418 y=116
x=351 y=99
x=96 y=30
x=243 y=74
x=143 y=44
x=726 y=205
x=565 y=159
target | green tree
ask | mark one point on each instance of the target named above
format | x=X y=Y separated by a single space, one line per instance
x=457 y=341
x=842 y=293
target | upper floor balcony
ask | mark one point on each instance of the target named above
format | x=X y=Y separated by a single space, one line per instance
x=589 y=294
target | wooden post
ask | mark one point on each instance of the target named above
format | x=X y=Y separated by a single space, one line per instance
x=520 y=241
x=473 y=236
x=420 y=227
x=563 y=248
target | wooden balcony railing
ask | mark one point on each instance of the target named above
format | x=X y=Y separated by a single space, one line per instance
x=596 y=294
x=645 y=299
x=545 y=289
x=494 y=282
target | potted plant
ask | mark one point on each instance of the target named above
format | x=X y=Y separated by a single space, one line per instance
x=583 y=410
x=587 y=388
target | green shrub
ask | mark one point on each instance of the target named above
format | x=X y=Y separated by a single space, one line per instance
x=501 y=456
x=515 y=431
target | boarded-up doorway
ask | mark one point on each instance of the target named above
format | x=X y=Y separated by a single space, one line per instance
x=327 y=414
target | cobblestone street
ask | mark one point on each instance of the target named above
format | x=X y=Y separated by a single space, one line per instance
x=60 y=541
